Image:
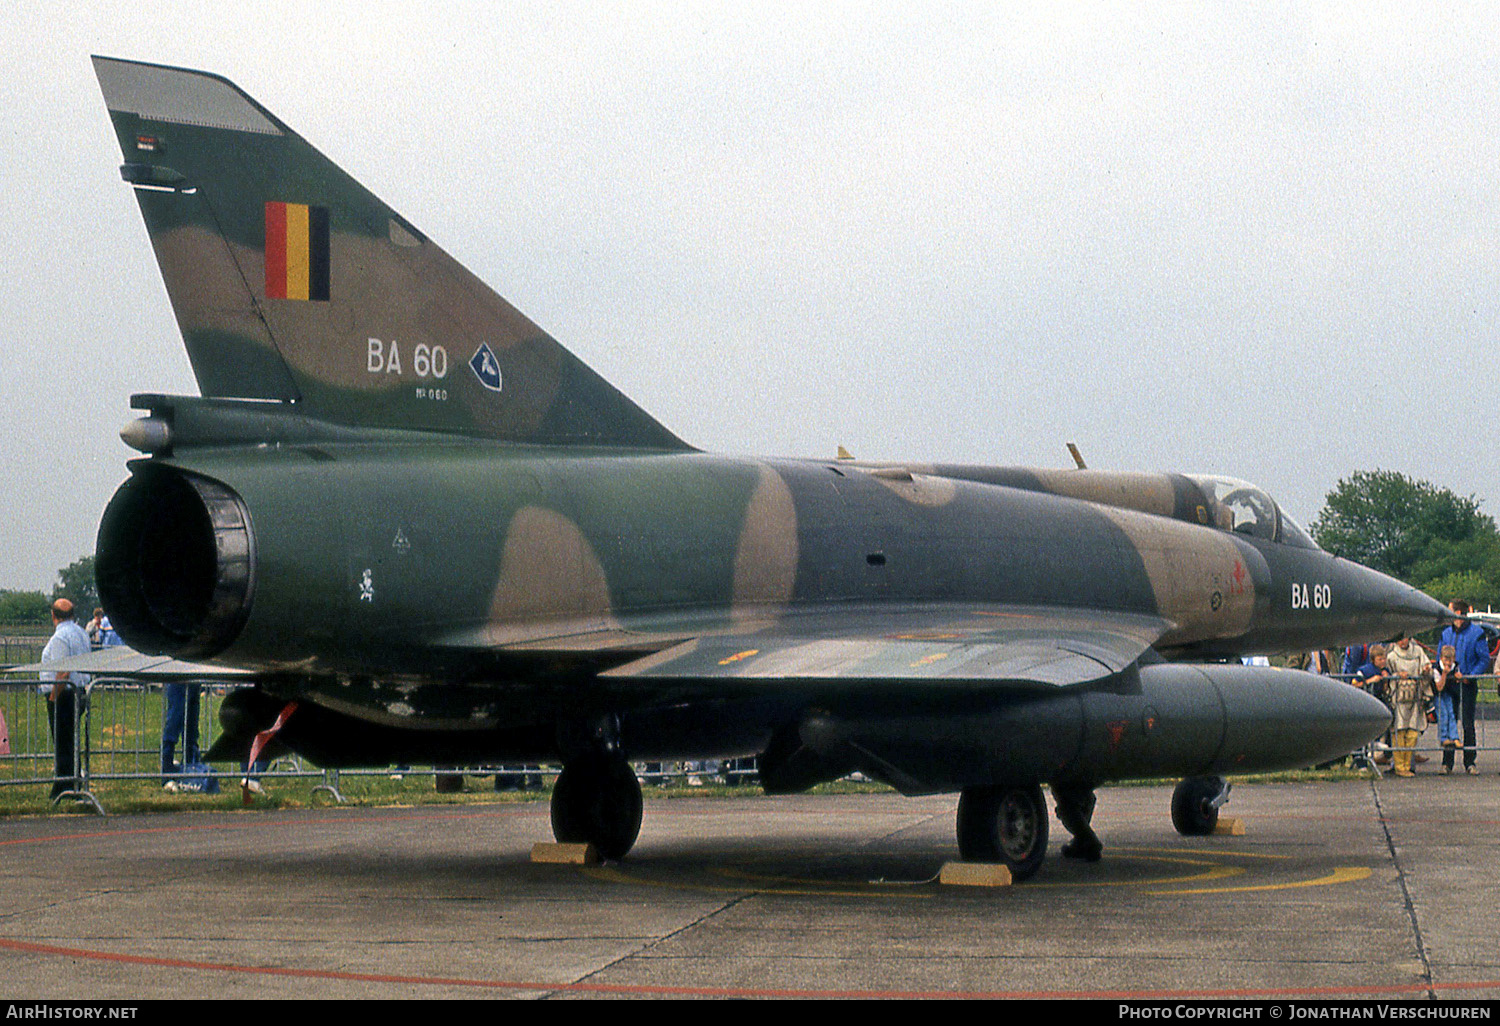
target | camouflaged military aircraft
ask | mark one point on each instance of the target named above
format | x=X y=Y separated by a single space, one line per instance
x=426 y=532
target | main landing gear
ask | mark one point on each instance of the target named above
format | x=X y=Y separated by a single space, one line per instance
x=597 y=801
x=1003 y=824
x=1008 y=824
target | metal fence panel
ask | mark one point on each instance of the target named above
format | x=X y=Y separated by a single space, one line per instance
x=121 y=730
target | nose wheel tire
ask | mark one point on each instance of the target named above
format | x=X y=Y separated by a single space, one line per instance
x=597 y=801
x=1193 y=811
x=1004 y=824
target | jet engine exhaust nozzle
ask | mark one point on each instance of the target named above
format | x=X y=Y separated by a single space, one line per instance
x=175 y=563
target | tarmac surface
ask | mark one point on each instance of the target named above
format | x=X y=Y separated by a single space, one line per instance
x=1383 y=889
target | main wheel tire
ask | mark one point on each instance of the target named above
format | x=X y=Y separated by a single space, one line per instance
x=1192 y=814
x=597 y=801
x=1004 y=824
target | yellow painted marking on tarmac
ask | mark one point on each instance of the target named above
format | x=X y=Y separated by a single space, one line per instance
x=928 y=660
x=1340 y=875
x=1211 y=869
x=1213 y=872
x=738 y=656
x=1219 y=853
x=874 y=890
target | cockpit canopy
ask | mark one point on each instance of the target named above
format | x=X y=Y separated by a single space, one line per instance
x=1239 y=506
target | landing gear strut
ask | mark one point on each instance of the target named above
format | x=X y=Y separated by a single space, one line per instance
x=1196 y=803
x=1004 y=824
x=1075 y=810
x=597 y=801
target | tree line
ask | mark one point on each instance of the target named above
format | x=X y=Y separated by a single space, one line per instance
x=1415 y=531
x=34 y=608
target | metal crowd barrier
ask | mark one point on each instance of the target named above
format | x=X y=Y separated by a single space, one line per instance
x=16 y=651
x=119 y=731
x=1379 y=754
x=117 y=736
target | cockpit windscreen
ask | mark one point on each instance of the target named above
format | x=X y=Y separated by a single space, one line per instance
x=1241 y=507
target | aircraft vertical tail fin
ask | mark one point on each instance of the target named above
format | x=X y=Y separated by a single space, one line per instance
x=291 y=281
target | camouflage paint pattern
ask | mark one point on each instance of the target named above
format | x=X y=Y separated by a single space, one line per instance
x=469 y=546
x=209 y=232
x=409 y=506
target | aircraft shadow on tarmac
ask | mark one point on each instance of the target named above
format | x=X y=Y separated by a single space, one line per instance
x=702 y=865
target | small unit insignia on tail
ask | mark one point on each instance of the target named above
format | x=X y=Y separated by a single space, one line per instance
x=486 y=369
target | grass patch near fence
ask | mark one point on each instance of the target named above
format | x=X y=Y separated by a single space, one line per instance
x=374 y=790
x=380 y=790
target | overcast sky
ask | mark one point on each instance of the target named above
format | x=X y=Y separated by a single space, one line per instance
x=1253 y=240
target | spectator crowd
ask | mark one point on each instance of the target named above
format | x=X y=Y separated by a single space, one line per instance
x=1424 y=688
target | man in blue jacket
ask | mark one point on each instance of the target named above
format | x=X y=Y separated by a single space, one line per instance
x=1472 y=654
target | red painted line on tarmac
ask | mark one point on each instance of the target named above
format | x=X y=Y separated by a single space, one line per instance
x=28 y=947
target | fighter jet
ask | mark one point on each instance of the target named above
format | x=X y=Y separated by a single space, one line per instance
x=421 y=530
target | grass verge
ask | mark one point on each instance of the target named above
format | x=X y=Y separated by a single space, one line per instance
x=121 y=797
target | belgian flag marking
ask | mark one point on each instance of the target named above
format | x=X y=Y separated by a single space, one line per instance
x=296 y=251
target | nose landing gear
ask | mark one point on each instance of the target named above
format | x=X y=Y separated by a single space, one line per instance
x=1195 y=805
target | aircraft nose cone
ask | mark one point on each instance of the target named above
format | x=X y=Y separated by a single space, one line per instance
x=1407 y=609
x=1338 y=718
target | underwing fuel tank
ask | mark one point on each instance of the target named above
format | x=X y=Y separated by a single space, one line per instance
x=1197 y=719
x=1184 y=719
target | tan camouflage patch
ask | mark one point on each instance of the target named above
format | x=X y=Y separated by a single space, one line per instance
x=1148 y=493
x=1200 y=577
x=205 y=285
x=765 y=563
x=199 y=264
x=915 y=487
x=551 y=583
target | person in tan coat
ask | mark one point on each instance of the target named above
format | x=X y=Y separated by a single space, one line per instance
x=1410 y=689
